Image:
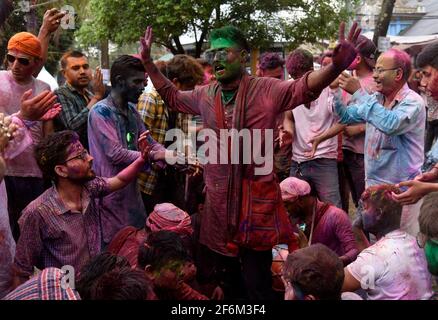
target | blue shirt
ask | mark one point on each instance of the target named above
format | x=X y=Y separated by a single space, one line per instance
x=394 y=136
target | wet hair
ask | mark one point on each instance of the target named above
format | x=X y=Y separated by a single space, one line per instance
x=299 y=62
x=270 y=60
x=231 y=33
x=186 y=69
x=401 y=60
x=123 y=66
x=122 y=284
x=428 y=56
x=161 y=248
x=95 y=268
x=380 y=197
x=52 y=151
x=70 y=54
x=428 y=218
x=317 y=271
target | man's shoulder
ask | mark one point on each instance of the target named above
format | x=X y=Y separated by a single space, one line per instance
x=63 y=90
x=38 y=207
x=102 y=108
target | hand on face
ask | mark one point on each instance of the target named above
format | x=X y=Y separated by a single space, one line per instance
x=346 y=51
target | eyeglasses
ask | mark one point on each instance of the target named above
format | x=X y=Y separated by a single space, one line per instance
x=378 y=71
x=217 y=54
x=22 y=61
x=83 y=156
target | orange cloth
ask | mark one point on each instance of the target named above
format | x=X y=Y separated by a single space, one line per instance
x=27 y=43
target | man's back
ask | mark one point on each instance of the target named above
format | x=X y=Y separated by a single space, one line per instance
x=394 y=268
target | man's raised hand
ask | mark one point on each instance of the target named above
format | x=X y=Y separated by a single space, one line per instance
x=346 y=50
x=146 y=45
x=37 y=107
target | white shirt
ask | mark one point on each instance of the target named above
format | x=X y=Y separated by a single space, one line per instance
x=311 y=122
x=394 y=268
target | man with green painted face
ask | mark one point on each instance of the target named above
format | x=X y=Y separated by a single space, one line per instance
x=243 y=216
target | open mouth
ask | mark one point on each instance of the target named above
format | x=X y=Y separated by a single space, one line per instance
x=219 y=69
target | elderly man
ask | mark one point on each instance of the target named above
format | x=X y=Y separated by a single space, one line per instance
x=323 y=223
x=18 y=90
x=239 y=101
x=423 y=184
x=394 y=268
x=395 y=117
x=74 y=96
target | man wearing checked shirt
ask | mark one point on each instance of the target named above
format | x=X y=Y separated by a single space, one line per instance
x=395 y=123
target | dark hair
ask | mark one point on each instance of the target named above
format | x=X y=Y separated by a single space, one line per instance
x=95 y=268
x=270 y=60
x=317 y=271
x=428 y=218
x=70 y=54
x=231 y=33
x=186 y=69
x=123 y=66
x=52 y=151
x=299 y=62
x=380 y=197
x=428 y=56
x=160 y=248
x=161 y=65
x=402 y=60
x=122 y=284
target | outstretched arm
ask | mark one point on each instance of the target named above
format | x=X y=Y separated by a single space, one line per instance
x=343 y=55
x=187 y=101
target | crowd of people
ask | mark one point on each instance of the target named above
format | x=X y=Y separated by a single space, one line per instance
x=96 y=204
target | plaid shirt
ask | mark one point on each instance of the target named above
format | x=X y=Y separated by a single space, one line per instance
x=54 y=236
x=156 y=118
x=47 y=285
x=74 y=113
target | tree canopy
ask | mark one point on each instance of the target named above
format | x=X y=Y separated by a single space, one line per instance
x=293 y=21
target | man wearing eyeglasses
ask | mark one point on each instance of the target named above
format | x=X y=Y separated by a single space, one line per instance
x=395 y=117
x=237 y=100
x=62 y=227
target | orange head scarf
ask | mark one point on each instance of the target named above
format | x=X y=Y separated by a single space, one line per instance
x=27 y=43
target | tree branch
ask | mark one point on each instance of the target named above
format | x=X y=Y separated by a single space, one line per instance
x=178 y=44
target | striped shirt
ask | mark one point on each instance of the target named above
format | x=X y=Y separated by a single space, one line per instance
x=54 y=236
x=47 y=285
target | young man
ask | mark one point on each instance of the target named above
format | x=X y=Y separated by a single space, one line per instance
x=74 y=96
x=159 y=186
x=321 y=171
x=114 y=127
x=394 y=268
x=19 y=89
x=270 y=64
x=396 y=117
x=353 y=138
x=313 y=273
x=62 y=226
x=324 y=223
x=240 y=101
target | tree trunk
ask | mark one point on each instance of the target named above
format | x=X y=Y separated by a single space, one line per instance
x=384 y=20
x=179 y=46
x=104 y=54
